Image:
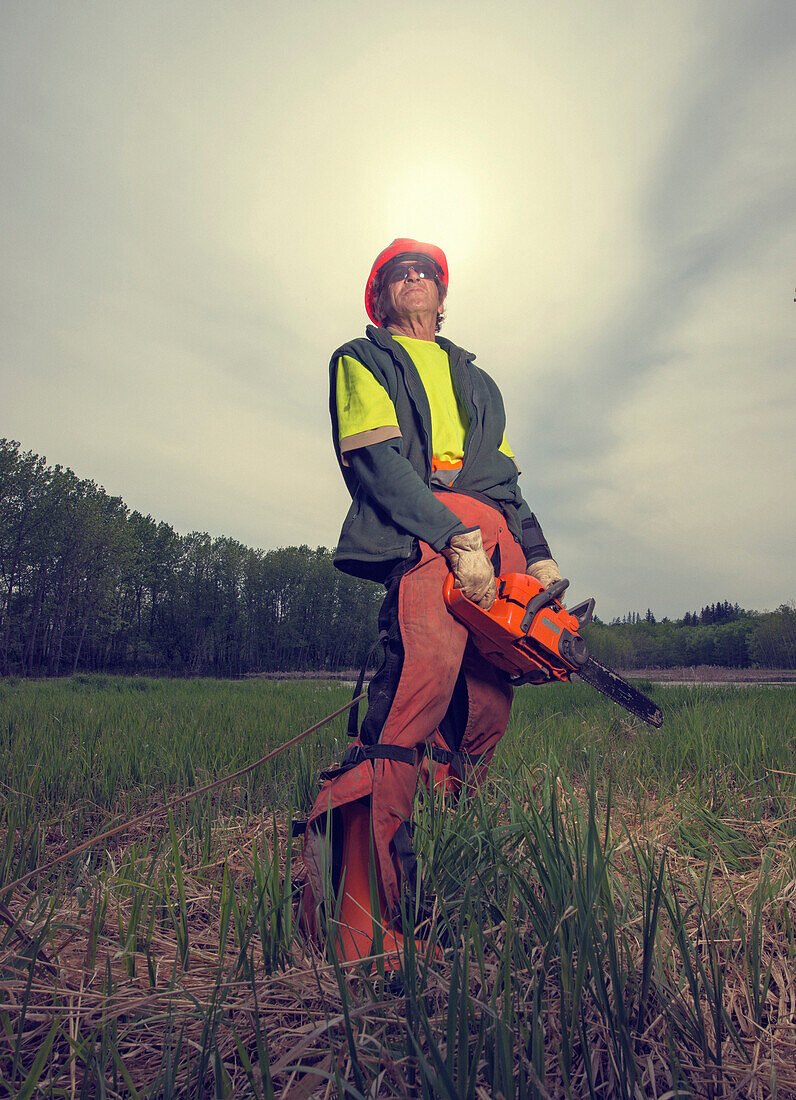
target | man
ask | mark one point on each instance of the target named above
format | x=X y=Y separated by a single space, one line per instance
x=419 y=432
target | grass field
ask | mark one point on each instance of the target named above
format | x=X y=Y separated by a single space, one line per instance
x=615 y=910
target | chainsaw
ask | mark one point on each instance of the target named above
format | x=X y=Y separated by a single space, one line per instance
x=530 y=635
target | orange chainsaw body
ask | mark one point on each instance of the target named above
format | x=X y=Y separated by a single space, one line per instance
x=527 y=632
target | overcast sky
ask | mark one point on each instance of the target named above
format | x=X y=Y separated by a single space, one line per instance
x=193 y=194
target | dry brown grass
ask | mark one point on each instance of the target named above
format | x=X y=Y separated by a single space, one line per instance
x=301 y=1010
x=713 y=674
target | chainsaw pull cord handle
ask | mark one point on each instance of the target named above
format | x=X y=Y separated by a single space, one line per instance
x=544 y=598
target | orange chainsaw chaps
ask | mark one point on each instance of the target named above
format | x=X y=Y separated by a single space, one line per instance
x=354 y=930
x=436 y=776
x=404 y=708
x=439 y=777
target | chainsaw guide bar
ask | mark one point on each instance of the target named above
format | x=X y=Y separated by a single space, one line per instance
x=605 y=680
x=536 y=640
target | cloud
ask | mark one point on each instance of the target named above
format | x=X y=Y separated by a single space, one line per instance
x=702 y=456
x=679 y=413
x=197 y=194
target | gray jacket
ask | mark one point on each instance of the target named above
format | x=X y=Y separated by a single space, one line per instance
x=372 y=541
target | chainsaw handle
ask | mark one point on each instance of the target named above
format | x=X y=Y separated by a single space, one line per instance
x=545 y=597
x=583 y=612
x=451 y=595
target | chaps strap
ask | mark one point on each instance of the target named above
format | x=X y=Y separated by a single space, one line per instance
x=357 y=754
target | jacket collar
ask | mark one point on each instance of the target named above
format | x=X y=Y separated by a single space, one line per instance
x=384 y=340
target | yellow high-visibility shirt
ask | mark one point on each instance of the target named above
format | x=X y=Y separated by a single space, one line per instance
x=366 y=414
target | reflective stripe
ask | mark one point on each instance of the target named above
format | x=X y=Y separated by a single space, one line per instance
x=364 y=439
x=443 y=479
x=444 y=471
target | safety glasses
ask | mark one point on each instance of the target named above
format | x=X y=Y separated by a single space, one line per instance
x=397 y=272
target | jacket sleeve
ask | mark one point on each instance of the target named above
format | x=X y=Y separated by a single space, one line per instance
x=532 y=540
x=534 y=544
x=391 y=482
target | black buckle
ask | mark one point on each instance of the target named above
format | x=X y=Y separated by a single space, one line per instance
x=462 y=760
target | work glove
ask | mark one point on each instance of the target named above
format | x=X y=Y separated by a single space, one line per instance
x=545 y=571
x=471 y=567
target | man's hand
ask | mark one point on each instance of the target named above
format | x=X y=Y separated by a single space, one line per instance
x=545 y=571
x=471 y=567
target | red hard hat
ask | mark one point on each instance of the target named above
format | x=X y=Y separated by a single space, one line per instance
x=400 y=247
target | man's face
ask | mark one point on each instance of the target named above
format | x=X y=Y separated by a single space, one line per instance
x=409 y=288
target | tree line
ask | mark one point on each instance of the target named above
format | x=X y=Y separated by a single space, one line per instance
x=719 y=634
x=86 y=584
x=753 y=639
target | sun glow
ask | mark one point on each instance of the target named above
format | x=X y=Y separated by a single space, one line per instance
x=435 y=202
